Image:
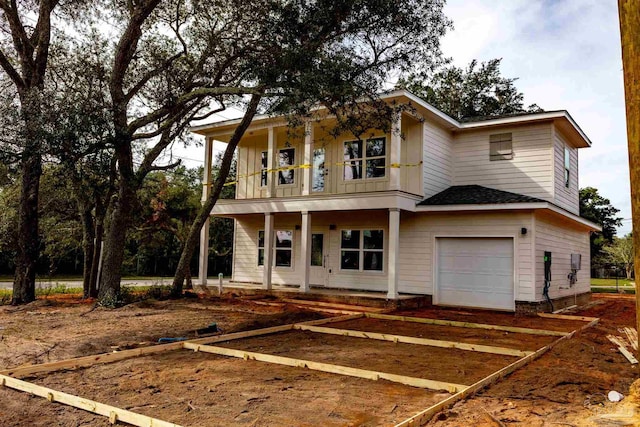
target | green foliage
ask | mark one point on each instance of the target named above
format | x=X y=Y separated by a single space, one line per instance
x=599 y=210
x=620 y=253
x=124 y=296
x=476 y=91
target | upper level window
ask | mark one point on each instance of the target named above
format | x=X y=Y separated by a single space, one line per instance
x=567 y=166
x=361 y=250
x=373 y=158
x=286 y=158
x=500 y=147
x=263 y=168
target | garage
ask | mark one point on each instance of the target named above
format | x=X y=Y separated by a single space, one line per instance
x=475 y=272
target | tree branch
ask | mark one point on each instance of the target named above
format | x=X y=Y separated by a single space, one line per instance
x=11 y=71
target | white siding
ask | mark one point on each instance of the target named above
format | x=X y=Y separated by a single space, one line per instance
x=567 y=198
x=530 y=172
x=561 y=240
x=417 y=244
x=437 y=158
x=245 y=268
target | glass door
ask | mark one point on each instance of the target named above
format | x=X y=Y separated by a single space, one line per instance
x=318 y=269
x=319 y=171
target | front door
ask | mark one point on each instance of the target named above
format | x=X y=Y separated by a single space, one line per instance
x=319 y=254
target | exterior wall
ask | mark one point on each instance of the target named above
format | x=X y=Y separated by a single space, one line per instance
x=246 y=269
x=561 y=239
x=438 y=159
x=249 y=162
x=417 y=245
x=530 y=172
x=567 y=198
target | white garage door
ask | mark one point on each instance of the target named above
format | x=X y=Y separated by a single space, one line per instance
x=475 y=272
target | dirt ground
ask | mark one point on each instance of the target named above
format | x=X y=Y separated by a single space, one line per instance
x=567 y=386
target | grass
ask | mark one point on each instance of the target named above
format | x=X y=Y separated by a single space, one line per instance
x=611 y=282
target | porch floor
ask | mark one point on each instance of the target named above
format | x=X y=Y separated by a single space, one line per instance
x=346 y=296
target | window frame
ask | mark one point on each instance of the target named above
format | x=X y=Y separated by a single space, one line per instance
x=361 y=250
x=292 y=170
x=567 y=166
x=500 y=140
x=275 y=249
x=364 y=159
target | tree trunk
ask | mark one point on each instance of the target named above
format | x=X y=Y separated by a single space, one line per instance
x=88 y=248
x=113 y=251
x=191 y=242
x=24 y=285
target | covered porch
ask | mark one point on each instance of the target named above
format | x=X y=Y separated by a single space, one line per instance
x=315 y=252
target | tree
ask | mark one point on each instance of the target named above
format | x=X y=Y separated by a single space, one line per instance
x=333 y=54
x=599 y=210
x=620 y=253
x=476 y=91
x=24 y=56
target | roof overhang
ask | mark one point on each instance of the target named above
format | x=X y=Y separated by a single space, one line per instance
x=510 y=207
x=562 y=119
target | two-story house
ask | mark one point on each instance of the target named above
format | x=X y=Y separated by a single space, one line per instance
x=479 y=214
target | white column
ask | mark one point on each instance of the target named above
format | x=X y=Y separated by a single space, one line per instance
x=395 y=150
x=268 y=250
x=203 y=258
x=305 y=249
x=271 y=162
x=307 y=160
x=394 y=253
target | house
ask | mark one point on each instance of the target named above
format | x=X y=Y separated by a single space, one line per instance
x=478 y=214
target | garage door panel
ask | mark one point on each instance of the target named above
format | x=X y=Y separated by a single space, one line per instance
x=476 y=272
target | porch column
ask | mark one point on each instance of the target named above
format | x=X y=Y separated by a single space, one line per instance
x=394 y=253
x=271 y=162
x=395 y=151
x=203 y=258
x=307 y=160
x=268 y=250
x=305 y=251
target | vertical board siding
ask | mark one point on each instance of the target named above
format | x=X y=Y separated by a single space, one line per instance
x=567 y=198
x=437 y=157
x=417 y=244
x=561 y=240
x=530 y=172
x=411 y=154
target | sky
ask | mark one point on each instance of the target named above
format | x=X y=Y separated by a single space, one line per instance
x=566 y=55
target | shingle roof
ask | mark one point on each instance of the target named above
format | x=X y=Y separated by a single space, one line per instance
x=476 y=195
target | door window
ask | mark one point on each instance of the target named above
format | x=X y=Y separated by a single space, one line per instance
x=317 y=243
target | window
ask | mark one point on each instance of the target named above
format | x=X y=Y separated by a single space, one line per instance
x=567 y=166
x=286 y=158
x=317 y=183
x=362 y=250
x=373 y=157
x=317 y=254
x=263 y=168
x=500 y=147
x=261 y=247
x=283 y=248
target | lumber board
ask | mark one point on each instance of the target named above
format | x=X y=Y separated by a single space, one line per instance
x=623 y=348
x=425 y=415
x=240 y=335
x=85 y=361
x=566 y=317
x=112 y=412
x=352 y=307
x=632 y=336
x=326 y=367
x=415 y=340
x=332 y=319
x=514 y=329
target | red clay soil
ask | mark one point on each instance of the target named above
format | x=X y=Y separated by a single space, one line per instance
x=448 y=333
x=567 y=386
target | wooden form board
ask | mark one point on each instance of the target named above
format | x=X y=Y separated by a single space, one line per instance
x=114 y=414
x=424 y=416
x=514 y=329
x=415 y=340
x=566 y=317
x=326 y=367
